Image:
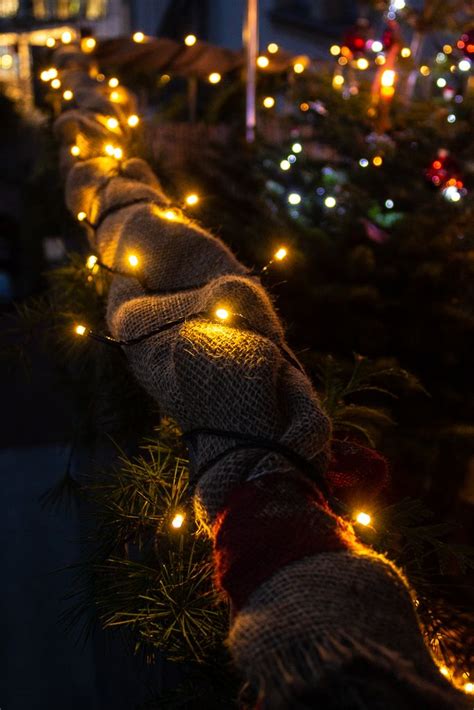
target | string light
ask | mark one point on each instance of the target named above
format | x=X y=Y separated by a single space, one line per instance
x=425 y=70
x=363 y=162
x=376 y=46
x=363 y=518
x=138 y=37
x=398 y=4
x=451 y=118
x=441 y=82
x=273 y=48
x=80 y=329
x=263 y=61
x=285 y=165
x=44 y=76
x=269 y=102
x=469 y=687
x=133 y=260
x=56 y=84
x=447 y=49
x=342 y=61
x=88 y=44
x=115 y=97
x=177 y=521
x=91 y=261
x=171 y=215
x=294 y=198
x=100 y=77
x=68 y=95
x=444 y=671
x=362 y=63
x=464 y=65
x=6 y=61
x=337 y=81
x=281 y=254
x=298 y=68
x=81 y=216
x=75 y=150
x=113 y=82
x=112 y=123
x=389 y=204
x=380 y=60
x=222 y=313
x=191 y=199
x=118 y=153
x=304 y=107
x=405 y=52
x=377 y=161
x=66 y=37
x=330 y=202
x=296 y=147
x=440 y=58
x=190 y=40
x=335 y=50
x=133 y=120
x=214 y=77
x=50 y=42
x=109 y=149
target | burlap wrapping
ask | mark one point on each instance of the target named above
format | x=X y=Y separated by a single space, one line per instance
x=318 y=616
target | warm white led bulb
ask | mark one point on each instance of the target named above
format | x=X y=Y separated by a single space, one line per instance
x=177 y=521
x=363 y=518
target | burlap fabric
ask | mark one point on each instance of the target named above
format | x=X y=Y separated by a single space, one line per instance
x=337 y=620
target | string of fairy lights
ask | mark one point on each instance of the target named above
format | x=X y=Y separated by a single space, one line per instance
x=132 y=267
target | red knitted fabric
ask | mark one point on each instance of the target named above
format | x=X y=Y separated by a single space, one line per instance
x=268 y=523
x=355 y=470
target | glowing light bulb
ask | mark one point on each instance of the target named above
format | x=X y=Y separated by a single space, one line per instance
x=56 y=84
x=363 y=162
x=114 y=97
x=100 y=77
x=273 y=48
x=441 y=82
x=330 y=202
x=337 y=81
x=425 y=70
x=342 y=61
x=451 y=118
x=269 y=102
x=304 y=107
x=109 y=149
x=91 y=261
x=222 y=313
x=118 y=153
x=81 y=216
x=388 y=77
x=263 y=61
x=75 y=150
x=298 y=68
x=281 y=254
x=44 y=76
x=377 y=161
x=376 y=46
x=380 y=60
x=112 y=123
x=296 y=147
x=398 y=4
x=66 y=37
x=53 y=73
x=170 y=215
x=177 y=521
x=133 y=120
x=113 y=82
x=214 y=77
x=440 y=58
x=362 y=63
x=444 y=671
x=335 y=50
x=88 y=44
x=447 y=49
x=189 y=40
x=285 y=165
x=363 y=518
x=468 y=687
x=138 y=37
x=389 y=204
x=192 y=199
x=80 y=329
x=133 y=260
x=464 y=65
x=294 y=198
x=68 y=95
x=405 y=52
x=50 y=42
